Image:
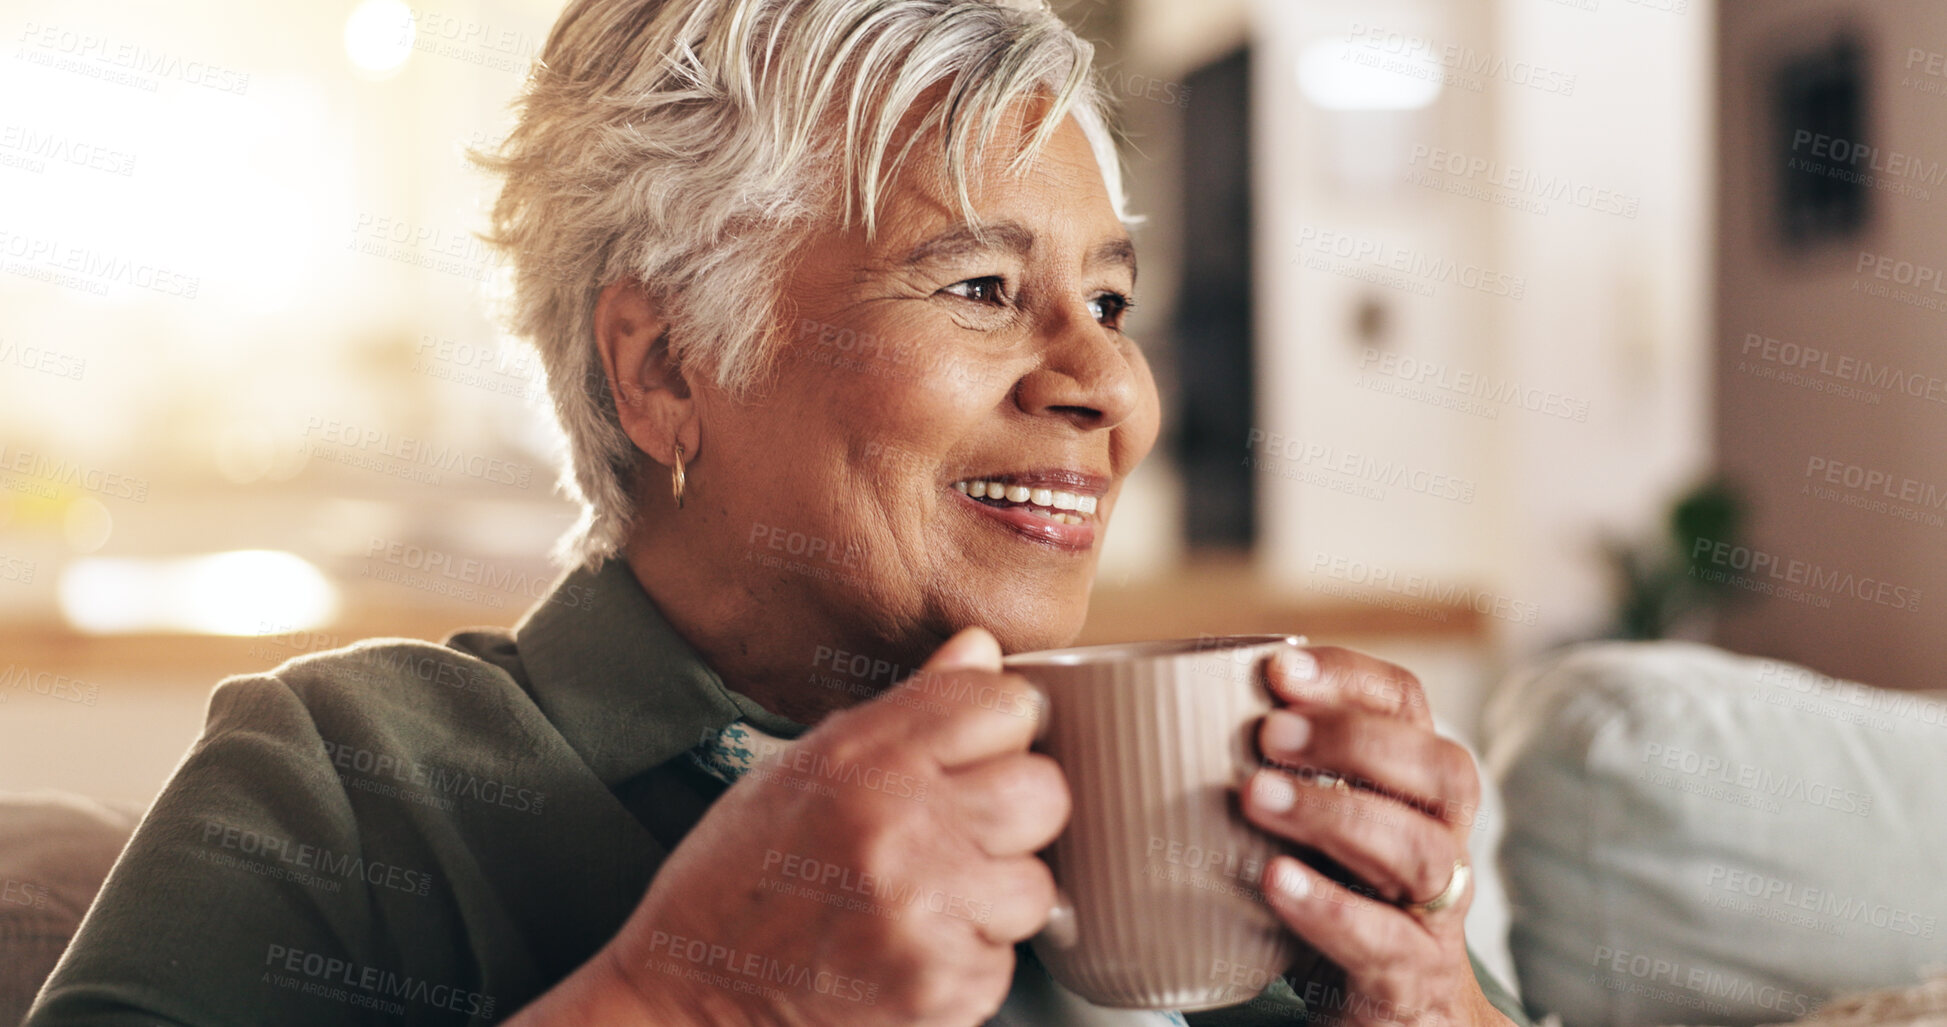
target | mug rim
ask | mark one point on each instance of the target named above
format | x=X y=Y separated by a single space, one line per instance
x=1076 y=655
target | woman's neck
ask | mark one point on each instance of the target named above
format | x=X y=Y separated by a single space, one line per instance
x=766 y=641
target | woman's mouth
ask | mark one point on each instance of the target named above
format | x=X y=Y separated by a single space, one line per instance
x=1034 y=507
x=1054 y=504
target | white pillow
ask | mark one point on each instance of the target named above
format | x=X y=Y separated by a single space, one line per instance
x=1699 y=837
x=1487 y=912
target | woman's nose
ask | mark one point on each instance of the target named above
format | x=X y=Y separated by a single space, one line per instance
x=1084 y=376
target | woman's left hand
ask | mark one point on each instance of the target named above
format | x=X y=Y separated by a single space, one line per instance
x=1355 y=772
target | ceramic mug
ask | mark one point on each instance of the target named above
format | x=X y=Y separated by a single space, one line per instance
x=1157 y=868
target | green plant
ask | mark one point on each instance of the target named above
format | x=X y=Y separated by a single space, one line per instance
x=1662 y=585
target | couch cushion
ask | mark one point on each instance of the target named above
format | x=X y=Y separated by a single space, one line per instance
x=1699 y=837
x=55 y=851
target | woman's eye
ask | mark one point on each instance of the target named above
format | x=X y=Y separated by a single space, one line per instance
x=980 y=290
x=1110 y=308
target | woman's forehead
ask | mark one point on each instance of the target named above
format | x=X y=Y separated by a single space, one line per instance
x=1059 y=193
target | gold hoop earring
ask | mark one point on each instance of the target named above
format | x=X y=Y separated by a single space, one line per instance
x=676 y=477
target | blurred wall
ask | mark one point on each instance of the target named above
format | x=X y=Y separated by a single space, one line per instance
x=1830 y=369
x=1616 y=318
x=1483 y=318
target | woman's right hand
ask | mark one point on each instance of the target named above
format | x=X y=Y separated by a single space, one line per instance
x=879 y=870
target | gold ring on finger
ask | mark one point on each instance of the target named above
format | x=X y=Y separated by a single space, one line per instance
x=1456 y=887
x=1327 y=779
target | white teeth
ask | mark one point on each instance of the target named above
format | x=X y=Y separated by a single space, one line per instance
x=1049 y=503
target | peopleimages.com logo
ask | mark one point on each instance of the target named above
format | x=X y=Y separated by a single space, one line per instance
x=1843 y=368
x=1759 y=571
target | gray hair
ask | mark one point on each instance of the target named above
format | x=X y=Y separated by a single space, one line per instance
x=679 y=143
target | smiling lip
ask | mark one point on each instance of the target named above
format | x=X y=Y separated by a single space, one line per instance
x=1062 y=496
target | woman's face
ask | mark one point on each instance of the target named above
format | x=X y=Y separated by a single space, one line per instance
x=920 y=369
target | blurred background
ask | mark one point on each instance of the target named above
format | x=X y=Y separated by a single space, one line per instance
x=1484 y=326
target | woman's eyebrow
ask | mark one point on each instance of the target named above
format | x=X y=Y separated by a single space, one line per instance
x=1008 y=236
x=962 y=239
x=1119 y=250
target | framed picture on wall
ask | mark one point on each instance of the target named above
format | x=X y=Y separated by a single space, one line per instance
x=1820 y=142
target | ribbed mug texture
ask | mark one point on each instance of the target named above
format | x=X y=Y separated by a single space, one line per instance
x=1158 y=862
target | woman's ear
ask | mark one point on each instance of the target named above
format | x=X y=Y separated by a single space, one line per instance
x=651 y=395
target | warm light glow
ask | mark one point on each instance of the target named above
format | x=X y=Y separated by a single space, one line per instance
x=378 y=37
x=249 y=592
x=1331 y=76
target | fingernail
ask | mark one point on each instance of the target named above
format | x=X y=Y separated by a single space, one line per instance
x=1286 y=732
x=1272 y=792
x=1290 y=880
x=1298 y=665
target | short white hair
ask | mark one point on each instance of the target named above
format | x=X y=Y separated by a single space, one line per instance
x=684 y=143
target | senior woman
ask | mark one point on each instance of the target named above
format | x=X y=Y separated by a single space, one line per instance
x=830 y=295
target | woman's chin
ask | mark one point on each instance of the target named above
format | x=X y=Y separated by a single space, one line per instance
x=1028 y=613
x=1054 y=632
